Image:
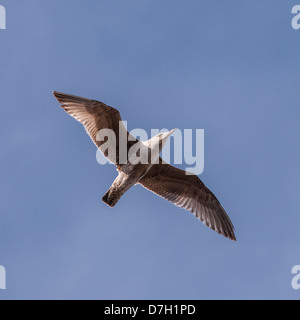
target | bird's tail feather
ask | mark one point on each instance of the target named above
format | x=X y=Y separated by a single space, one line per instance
x=111 y=198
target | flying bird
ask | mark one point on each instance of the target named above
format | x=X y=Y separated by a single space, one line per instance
x=184 y=190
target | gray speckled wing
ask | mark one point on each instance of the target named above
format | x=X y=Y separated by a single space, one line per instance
x=189 y=192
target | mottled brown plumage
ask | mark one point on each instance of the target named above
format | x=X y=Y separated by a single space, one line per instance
x=95 y=116
x=168 y=182
x=188 y=192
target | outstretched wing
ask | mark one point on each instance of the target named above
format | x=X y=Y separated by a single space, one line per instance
x=96 y=116
x=189 y=192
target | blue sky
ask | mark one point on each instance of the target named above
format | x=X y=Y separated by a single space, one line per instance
x=229 y=67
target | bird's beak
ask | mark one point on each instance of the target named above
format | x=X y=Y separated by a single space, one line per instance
x=170 y=133
x=166 y=136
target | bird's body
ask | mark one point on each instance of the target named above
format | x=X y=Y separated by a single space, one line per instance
x=175 y=185
x=136 y=167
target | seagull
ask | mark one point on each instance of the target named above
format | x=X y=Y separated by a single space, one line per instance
x=184 y=190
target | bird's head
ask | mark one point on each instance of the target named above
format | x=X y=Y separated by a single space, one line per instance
x=161 y=139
